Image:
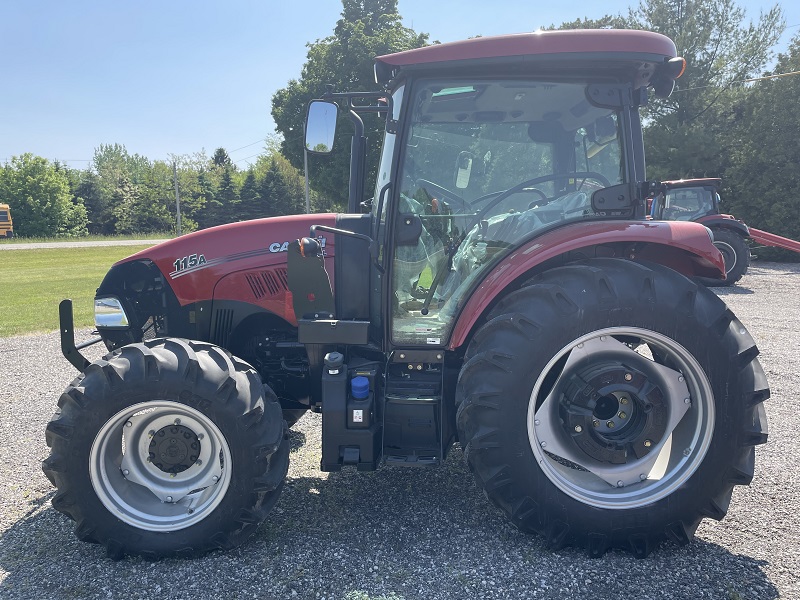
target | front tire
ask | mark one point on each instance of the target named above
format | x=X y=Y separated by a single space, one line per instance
x=167 y=448
x=736 y=253
x=611 y=404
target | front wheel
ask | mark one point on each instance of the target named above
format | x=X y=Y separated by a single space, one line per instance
x=736 y=254
x=611 y=404
x=167 y=447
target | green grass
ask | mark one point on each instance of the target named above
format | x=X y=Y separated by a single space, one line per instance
x=33 y=282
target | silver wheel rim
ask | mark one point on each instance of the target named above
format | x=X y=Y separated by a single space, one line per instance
x=729 y=254
x=124 y=475
x=672 y=457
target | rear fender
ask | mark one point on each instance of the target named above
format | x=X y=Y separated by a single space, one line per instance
x=683 y=246
x=726 y=222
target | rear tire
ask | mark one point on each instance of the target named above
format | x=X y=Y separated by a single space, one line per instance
x=543 y=440
x=167 y=448
x=736 y=253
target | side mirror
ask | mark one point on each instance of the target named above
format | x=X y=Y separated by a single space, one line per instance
x=615 y=200
x=321 y=126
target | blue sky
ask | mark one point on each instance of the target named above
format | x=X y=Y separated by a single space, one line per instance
x=175 y=76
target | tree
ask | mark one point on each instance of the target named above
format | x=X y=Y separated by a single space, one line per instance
x=764 y=177
x=221 y=158
x=228 y=196
x=40 y=199
x=111 y=165
x=684 y=133
x=136 y=213
x=250 y=206
x=367 y=28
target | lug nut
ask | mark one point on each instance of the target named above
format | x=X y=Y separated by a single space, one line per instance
x=169 y=498
x=215 y=479
x=543 y=444
x=623 y=400
x=642 y=477
x=128 y=424
x=595 y=423
x=620 y=483
x=200 y=436
x=177 y=421
x=578 y=428
x=410 y=367
x=687 y=400
x=622 y=415
x=126 y=472
x=647 y=443
x=610 y=424
x=151 y=433
x=628 y=376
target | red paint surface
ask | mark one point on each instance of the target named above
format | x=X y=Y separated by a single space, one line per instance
x=233 y=244
x=538 y=44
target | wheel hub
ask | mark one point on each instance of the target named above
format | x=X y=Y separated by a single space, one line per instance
x=174 y=448
x=612 y=411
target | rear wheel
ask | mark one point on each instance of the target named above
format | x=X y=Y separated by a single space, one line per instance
x=736 y=253
x=167 y=447
x=611 y=405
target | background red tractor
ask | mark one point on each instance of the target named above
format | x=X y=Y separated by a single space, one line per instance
x=503 y=290
x=698 y=200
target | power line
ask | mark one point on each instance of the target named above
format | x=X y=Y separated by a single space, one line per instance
x=246 y=157
x=247 y=146
x=765 y=77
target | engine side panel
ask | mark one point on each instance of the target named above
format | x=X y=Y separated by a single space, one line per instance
x=193 y=264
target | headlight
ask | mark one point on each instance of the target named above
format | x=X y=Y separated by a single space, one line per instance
x=108 y=312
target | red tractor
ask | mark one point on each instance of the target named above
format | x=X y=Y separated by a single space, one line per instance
x=502 y=289
x=698 y=200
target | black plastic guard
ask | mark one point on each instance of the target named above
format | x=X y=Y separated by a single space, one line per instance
x=68 y=347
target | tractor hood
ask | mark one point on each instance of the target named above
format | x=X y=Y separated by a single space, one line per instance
x=193 y=264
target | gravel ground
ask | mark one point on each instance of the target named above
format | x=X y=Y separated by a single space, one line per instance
x=410 y=533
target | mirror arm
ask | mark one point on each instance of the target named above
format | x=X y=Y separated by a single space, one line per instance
x=373 y=246
x=358 y=157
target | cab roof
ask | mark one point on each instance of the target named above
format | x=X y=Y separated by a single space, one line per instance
x=591 y=47
x=684 y=183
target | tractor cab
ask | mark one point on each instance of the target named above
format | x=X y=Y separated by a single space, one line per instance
x=686 y=200
x=489 y=144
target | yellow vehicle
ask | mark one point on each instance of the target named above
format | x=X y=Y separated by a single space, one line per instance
x=6 y=225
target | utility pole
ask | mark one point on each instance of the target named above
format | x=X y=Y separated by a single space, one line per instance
x=177 y=194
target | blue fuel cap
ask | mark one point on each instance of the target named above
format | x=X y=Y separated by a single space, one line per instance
x=359 y=387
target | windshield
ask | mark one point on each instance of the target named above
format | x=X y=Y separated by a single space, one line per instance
x=484 y=165
x=686 y=204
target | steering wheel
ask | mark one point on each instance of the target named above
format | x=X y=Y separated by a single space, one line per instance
x=520 y=186
x=465 y=206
